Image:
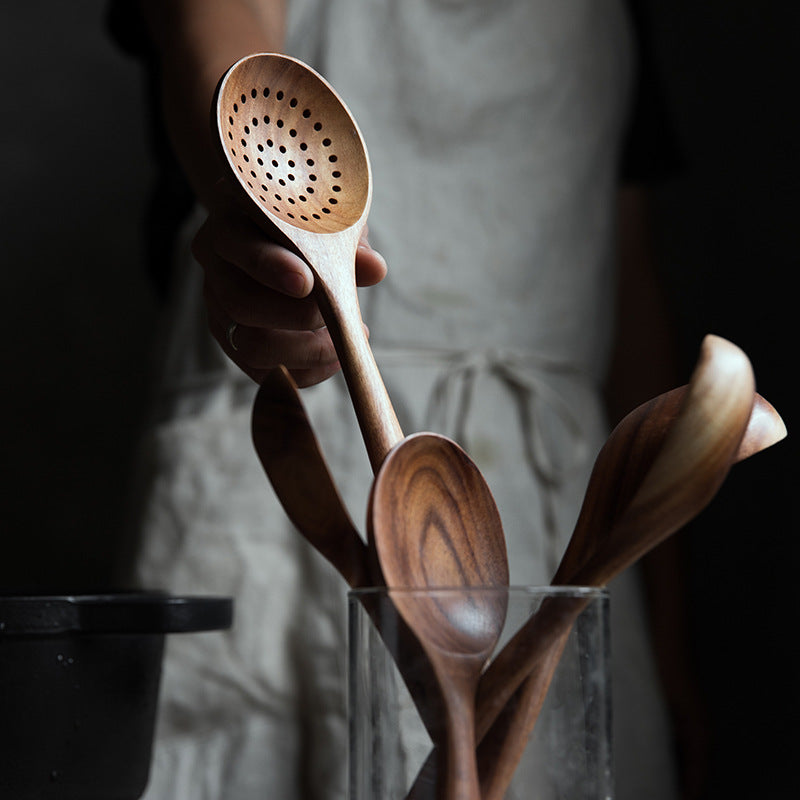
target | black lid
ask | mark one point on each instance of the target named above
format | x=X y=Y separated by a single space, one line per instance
x=135 y=613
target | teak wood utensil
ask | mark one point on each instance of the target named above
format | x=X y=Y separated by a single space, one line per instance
x=301 y=163
x=692 y=460
x=295 y=465
x=298 y=156
x=628 y=454
x=435 y=524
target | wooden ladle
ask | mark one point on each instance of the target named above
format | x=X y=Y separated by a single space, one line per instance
x=436 y=528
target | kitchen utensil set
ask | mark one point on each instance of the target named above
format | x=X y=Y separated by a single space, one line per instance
x=301 y=165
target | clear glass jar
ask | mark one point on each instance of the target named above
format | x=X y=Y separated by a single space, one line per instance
x=395 y=709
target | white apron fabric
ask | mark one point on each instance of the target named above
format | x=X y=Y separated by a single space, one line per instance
x=493 y=128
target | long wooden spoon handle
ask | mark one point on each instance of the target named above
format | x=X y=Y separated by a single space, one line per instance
x=337 y=297
x=376 y=417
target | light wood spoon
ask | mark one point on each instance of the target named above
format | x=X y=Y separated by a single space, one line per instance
x=435 y=525
x=299 y=159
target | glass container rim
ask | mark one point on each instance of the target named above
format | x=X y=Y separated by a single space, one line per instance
x=588 y=592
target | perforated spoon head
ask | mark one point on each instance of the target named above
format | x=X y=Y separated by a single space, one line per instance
x=293 y=145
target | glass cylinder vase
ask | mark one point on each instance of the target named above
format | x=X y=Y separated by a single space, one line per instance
x=543 y=705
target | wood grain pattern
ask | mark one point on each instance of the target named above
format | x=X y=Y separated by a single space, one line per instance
x=626 y=458
x=439 y=522
x=691 y=462
x=302 y=169
x=435 y=524
x=295 y=466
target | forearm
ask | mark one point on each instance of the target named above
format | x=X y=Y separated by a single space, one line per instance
x=196 y=41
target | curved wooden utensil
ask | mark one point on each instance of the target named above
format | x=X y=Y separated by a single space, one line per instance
x=628 y=454
x=690 y=466
x=436 y=527
x=290 y=454
x=298 y=157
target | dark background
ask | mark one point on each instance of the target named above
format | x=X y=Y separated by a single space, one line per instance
x=79 y=319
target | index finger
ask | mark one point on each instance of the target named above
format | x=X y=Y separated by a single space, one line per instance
x=238 y=240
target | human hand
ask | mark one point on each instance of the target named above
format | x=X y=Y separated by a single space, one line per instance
x=265 y=290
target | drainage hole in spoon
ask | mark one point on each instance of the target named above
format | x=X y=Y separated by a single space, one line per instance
x=284 y=187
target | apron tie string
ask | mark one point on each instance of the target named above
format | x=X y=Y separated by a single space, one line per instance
x=524 y=375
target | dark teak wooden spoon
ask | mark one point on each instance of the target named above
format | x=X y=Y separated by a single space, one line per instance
x=295 y=465
x=436 y=527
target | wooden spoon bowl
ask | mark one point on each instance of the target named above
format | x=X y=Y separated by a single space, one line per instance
x=295 y=146
x=437 y=531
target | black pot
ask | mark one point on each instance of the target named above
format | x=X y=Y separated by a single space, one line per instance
x=79 y=680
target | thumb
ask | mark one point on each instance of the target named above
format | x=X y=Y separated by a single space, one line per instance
x=370 y=264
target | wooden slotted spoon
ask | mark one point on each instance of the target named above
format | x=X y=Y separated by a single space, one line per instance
x=299 y=158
